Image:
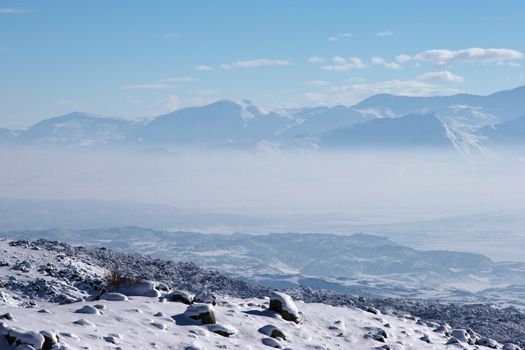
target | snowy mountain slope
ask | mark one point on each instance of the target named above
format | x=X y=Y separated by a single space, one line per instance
x=500 y=106
x=108 y=320
x=218 y=123
x=406 y=131
x=385 y=105
x=507 y=133
x=360 y=263
x=78 y=129
x=507 y=105
x=313 y=121
x=462 y=114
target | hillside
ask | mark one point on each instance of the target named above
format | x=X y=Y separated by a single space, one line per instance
x=62 y=296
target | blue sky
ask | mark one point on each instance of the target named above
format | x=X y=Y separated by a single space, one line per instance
x=140 y=58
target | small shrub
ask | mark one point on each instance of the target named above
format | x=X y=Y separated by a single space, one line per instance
x=116 y=279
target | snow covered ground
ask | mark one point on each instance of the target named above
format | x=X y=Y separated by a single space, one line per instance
x=133 y=325
x=48 y=289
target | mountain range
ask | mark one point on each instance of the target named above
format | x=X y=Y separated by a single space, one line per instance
x=465 y=122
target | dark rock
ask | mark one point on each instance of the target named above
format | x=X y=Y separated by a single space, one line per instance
x=203 y=313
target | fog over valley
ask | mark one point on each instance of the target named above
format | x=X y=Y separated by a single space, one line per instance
x=271 y=190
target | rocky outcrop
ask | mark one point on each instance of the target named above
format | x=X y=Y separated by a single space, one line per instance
x=181 y=297
x=272 y=331
x=113 y=297
x=222 y=329
x=202 y=312
x=87 y=309
x=283 y=304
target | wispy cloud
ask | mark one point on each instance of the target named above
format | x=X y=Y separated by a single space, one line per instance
x=64 y=103
x=385 y=33
x=168 y=36
x=316 y=59
x=509 y=64
x=203 y=68
x=151 y=86
x=447 y=57
x=159 y=84
x=207 y=92
x=403 y=58
x=382 y=62
x=176 y=80
x=441 y=76
x=259 y=62
x=318 y=83
x=13 y=11
x=341 y=64
x=339 y=36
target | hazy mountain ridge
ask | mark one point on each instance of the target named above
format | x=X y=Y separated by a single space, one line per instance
x=504 y=105
x=7 y=136
x=80 y=129
x=467 y=121
x=506 y=133
x=405 y=131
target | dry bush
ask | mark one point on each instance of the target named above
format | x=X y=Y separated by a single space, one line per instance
x=116 y=279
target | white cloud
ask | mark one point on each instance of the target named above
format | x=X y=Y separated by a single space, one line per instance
x=159 y=84
x=385 y=33
x=403 y=58
x=341 y=64
x=168 y=36
x=447 y=57
x=203 y=68
x=339 y=36
x=383 y=62
x=316 y=59
x=259 y=62
x=440 y=76
x=13 y=11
